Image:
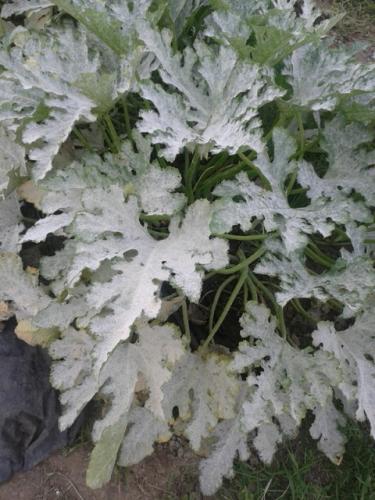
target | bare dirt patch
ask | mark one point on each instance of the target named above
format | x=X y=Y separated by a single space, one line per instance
x=358 y=24
x=170 y=473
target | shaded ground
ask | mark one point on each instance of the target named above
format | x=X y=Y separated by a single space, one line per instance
x=170 y=474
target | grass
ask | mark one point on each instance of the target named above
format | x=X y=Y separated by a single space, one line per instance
x=301 y=472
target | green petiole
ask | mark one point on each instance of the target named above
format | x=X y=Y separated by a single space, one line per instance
x=243 y=264
x=301 y=135
x=228 y=305
x=319 y=259
x=190 y=170
x=82 y=139
x=126 y=118
x=185 y=319
x=154 y=218
x=248 y=162
x=216 y=300
x=116 y=142
x=252 y=288
x=298 y=307
x=278 y=309
x=246 y=237
x=228 y=173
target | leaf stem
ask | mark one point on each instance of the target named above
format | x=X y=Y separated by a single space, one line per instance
x=185 y=319
x=127 y=118
x=245 y=293
x=298 y=191
x=217 y=296
x=160 y=159
x=291 y=183
x=154 y=218
x=301 y=134
x=299 y=308
x=228 y=173
x=227 y=307
x=264 y=179
x=278 y=309
x=319 y=252
x=245 y=237
x=190 y=174
x=206 y=174
x=243 y=264
x=112 y=132
x=82 y=139
x=157 y=234
x=319 y=259
x=252 y=287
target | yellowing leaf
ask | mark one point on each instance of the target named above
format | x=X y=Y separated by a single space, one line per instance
x=35 y=336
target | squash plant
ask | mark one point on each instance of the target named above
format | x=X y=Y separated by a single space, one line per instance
x=205 y=172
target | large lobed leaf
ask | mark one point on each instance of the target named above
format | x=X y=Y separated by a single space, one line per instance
x=272 y=205
x=350 y=281
x=354 y=350
x=319 y=74
x=59 y=77
x=217 y=100
x=349 y=167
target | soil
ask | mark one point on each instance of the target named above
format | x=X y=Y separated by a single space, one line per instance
x=357 y=25
x=169 y=474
